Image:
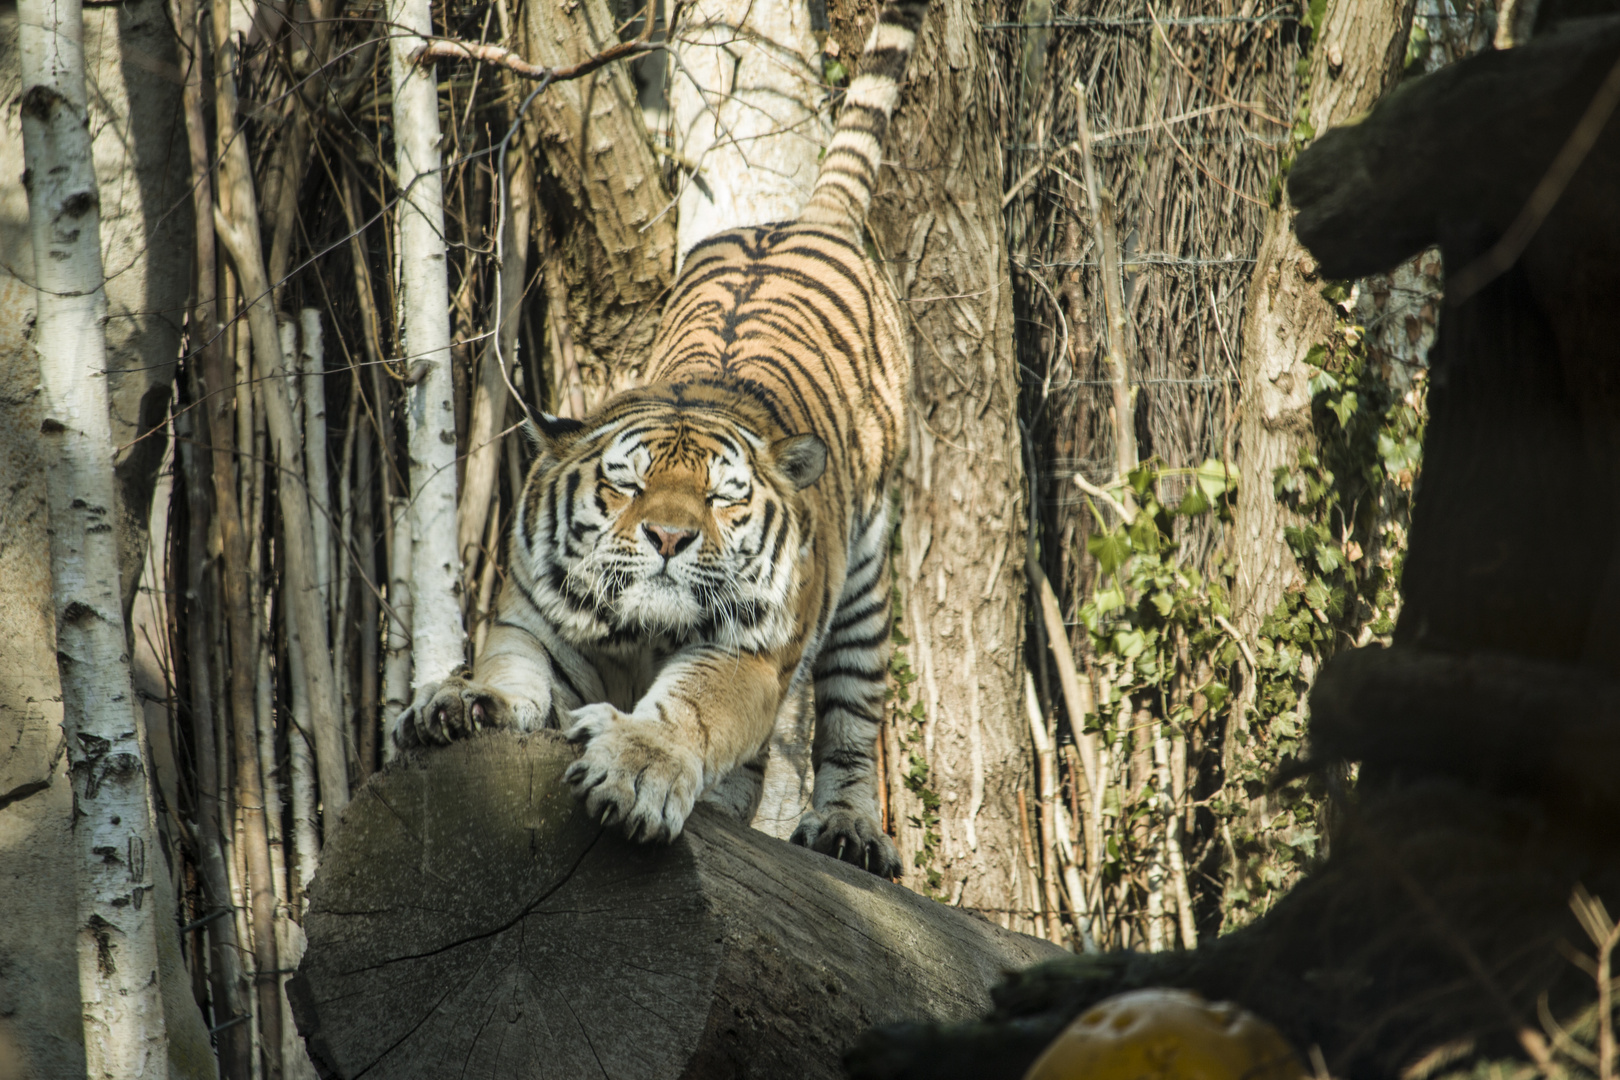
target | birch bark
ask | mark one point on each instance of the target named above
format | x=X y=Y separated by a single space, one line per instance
x=438 y=638
x=746 y=93
x=115 y=829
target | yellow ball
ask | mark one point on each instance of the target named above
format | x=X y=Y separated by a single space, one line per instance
x=1167 y=1035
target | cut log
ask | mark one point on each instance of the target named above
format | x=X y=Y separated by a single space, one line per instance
x=469 y=918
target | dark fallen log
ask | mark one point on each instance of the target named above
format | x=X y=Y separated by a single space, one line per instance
x=468 y=920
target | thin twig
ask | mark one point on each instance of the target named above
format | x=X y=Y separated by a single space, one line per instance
x=1125 y=513
x=1158 y=24
x=1243 y=646
x=454 y=49
x=1605 y=934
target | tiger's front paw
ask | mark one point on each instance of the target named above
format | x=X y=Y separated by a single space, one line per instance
x=633 y=773
x=849 y=837
x=450 y=710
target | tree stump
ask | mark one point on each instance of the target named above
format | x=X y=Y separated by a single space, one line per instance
x=468 y=919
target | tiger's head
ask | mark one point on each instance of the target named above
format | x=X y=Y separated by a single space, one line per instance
x=669 y=516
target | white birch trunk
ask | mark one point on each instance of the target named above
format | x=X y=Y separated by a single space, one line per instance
x=312 y=365
x=397 y=665
x=746 y=93
x=745 y=90
x=300 y=752
x=263 y=701
x=438 y=637
x=125 y=1034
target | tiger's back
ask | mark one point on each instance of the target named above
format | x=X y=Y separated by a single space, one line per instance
x=796 y=317
x=700 y=552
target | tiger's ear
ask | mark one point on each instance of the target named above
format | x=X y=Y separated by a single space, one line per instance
x=547 y=431
x=802 y=457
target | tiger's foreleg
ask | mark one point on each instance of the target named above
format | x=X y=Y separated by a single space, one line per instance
x=709 y=712
x=850 y=674
x=524 y=677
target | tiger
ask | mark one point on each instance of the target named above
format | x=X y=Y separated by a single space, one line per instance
x=702 y=551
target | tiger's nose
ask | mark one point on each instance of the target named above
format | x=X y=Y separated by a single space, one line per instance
x=668 y=541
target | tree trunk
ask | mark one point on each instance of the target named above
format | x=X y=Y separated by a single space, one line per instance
x=237 y=226
x=397 y=664
x=937 y=223
x=438 y=638
x=1356 y=55
x=469 y=917
x=745 y=89
x=115 y=826
x=134 y=111
x=495 y=366
x=617 y=253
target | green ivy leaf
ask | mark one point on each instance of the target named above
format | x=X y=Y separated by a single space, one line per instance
x=1141 y=478
x=1318 y=595
x=1144 y=533
x=1329 y=558
x=1216 y=477
x=1336 y=292
x=1130 y=643
x=1322 y=383
x=1112 y=550
x=1345 y=406
x=1194 y=502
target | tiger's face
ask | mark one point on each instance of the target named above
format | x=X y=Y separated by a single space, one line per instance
x=680 y=524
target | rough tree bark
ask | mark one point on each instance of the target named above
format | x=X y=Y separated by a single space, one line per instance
x=745 y=91
x=115 y=826
x=617 y=253
x=937 y=223
x=438 y=638
x=1355 y=56
x=469 y=917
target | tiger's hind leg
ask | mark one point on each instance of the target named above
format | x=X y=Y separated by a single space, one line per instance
x=850 y=673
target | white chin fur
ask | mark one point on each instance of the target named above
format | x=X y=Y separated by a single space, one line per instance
x=660 y=603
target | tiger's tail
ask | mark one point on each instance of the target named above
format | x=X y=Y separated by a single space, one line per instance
x=843 y=191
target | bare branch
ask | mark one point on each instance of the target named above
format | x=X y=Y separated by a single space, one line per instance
x=453 y=49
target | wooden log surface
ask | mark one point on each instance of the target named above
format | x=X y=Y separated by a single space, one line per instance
x=468 y=919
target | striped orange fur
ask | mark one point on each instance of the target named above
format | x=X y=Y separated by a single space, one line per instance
x=702 y=552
